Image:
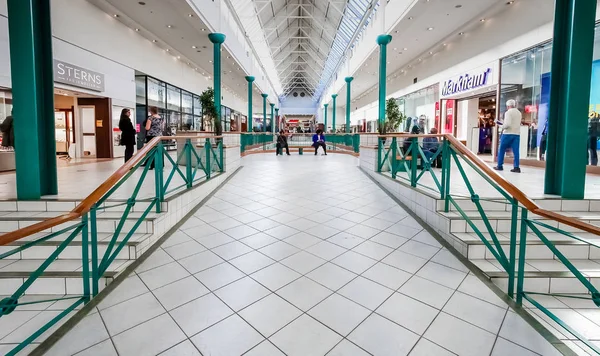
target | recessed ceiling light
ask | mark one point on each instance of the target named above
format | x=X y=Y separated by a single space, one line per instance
x=405 y=49
x=410 y=17
x=170 y=26
x=137 y=30
x=510 y=3
x=482 y=20
x=190 y=15
x=445 y=44
x=168 y=50
x=116 y=15
x=396 y=31
x=203 y=29
x=429 y=28
x=420 y=59
x=210 y=61
x=430 y=52
x=458 y=6
x=461 y=33
x=153 y=41
x=395 y=48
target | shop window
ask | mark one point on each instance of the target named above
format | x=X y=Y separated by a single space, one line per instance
x=420 y=104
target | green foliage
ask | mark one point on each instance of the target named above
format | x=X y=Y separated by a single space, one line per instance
x=207 y=98
x=394 y=117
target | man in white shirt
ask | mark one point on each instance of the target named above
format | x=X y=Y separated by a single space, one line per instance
x=511 y=136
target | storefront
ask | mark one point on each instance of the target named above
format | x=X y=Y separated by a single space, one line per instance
x=526 y=78
x=467 y=107
x=420 y=105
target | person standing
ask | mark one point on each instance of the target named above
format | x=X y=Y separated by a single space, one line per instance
x=127 y=133
x=8 y=132
x=154 y=127
x=319 y=141
x=511 y=136
x=593 y=133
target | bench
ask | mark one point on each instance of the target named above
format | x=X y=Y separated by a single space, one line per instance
x=300 y=148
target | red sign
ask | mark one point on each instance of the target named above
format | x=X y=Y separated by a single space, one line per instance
x=449 y=126
x=530 y=108
x=437 y=114
x=137 y=128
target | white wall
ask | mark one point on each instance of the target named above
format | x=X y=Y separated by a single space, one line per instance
x=298 y=105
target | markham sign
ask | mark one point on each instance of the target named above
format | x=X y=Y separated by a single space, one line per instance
x=467 y=82
x=70 y=74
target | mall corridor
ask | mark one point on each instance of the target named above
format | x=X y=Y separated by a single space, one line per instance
x=302 y=256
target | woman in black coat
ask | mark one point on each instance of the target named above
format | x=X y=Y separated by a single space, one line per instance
x=128 y=133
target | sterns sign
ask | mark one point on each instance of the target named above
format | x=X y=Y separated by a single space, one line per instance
x=76 y=76
x=466 y=82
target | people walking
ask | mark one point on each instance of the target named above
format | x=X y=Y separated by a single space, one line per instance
x=128 y=133
x=511 y=136
x=8 y=132
x=154 y=125
x=319 y=141
x=593 y=134
x=282 y=143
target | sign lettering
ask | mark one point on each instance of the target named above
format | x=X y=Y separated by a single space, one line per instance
x=79 y=77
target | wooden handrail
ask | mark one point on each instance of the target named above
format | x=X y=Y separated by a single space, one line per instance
x=87 y=204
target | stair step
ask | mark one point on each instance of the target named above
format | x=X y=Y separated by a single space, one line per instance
x=106 y=222
x=61 y=277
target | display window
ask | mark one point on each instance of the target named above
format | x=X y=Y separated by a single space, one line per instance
x=420 y=108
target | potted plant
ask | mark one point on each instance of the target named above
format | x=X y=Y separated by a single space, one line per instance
x=394 y=117
x=207 y=99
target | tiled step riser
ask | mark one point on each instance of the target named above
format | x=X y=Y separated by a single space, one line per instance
x=69 y=253
x=505 y=225
x=548 y=204
x=537 y=252
x=102 y=225
x=570 y=285
x=49 y=285
x=61 y=207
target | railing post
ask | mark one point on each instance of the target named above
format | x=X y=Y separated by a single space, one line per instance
x=414 y=149
x=188 y=162
x=513 y=247
x=85 y=257
x=94 y=245
x=207 y=149
x=446 y=177
x=221 y=156
x=522 y=247
x=393 y=158
x=379 y=148
x=158 y=175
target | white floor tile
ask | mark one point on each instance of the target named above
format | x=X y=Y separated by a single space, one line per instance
x=156 y=259
x=131 y=287
x=214 y=240
x=279 y=250
x=89 y=331
x=419 y=249
x=201 y=313
x=184 y=249
x=302 y=240
x=259 y=240
x=304 y=293
x=275 y=276
x=427 y=291
x=160 y=276
x=326 y=250
x=427 y=348
x=281 y=232
x=323 y=231
x=381 y=337
x=242 y=293
x=443 y=275
x=180 y=292
x=476 y=288
x=331 y=276
x=365 y=292
x=507 y=348
x=346 y=348
x=231 y=250
x=459 y=336
x=373 y=250
x=354 y=262
x=446 y=258
x=218 y=276
x=408 y=312
x=386 y=275
x=132 y=312
x=105 y=348
x=303 y=262
x=240 y=232
x=363 y=231
x=346 y=240
x=518 y=331
x=339 y=313
x=405 y=261
x=270 y=314
x=185 y=348
x=251 y=262
x=149 y=338
x=200 y=262
x=265 y=348
x=232 y=336
x=305 y=337
x=483 y=314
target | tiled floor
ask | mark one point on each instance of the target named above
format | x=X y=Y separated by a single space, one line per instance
x=304 y=256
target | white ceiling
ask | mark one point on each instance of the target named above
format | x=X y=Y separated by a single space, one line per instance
x=173 y=26
x=422 y=33
x=299 y=34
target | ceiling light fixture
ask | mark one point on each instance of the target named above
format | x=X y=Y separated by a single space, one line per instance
x=510 y=3
x=429 y=28
x=405 y=49
x=190 y=15
x=430 y=52
x=153 y=41
x=137 y=30
x=445 y=44
x=170 y=26
x=461 y=33
x=194 y=47
x=203 y=29
x=210 y=61
x=482 y=20
x=115 y=15
x=168 y=50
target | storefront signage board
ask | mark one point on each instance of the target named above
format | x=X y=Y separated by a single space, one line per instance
x=76 y=76
x=469 y=81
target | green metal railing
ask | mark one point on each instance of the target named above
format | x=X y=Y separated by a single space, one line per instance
x=265 y=142
x=404 y=158
x=200 y=158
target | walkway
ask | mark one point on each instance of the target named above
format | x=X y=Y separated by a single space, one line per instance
x=302 y=256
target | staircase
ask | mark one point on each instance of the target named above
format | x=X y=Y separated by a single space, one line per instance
x=544 y=273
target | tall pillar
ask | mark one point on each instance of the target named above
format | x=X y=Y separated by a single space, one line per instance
x=277 y=119
x=264 y=96
x=250 y=119
x=348 y=101
x=572 y=51
x=334 y=97
x=31 y=63
x=272 y=117
x=217 y=39
x=382 y=41
x=325 y=123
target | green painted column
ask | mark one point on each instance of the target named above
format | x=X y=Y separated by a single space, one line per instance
x=30 y=40
x=217 y=39
x=325 y=120
x=272 y=117
x=334 y=97
x=348 y=101
x=250 y=79
x=382 y=41
x=277 y=119
x=572 y=51
x=264 y=96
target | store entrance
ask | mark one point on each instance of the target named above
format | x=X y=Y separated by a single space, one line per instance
x=487 y=122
